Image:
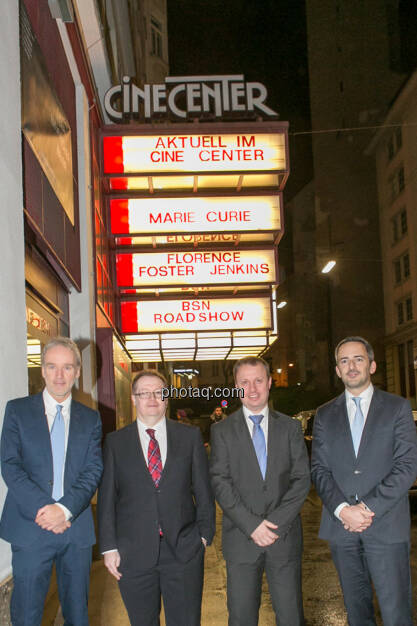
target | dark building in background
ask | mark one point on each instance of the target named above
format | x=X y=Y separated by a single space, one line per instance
x=359 y=55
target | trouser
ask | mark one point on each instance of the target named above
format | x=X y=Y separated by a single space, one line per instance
x=181 y=586
x=32 y=568
x=363 y=560
x=244 y=588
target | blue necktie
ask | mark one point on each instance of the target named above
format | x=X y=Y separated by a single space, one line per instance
x=58 y=452
x=357 y=425
x=258 y=439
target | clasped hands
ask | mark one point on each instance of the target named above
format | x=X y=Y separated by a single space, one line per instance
x=356 y=518
x=51 y=517
x=264 y=535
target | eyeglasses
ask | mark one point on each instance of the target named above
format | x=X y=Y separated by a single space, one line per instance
x=146 y=395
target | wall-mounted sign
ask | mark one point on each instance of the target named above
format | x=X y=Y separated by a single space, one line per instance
x=195 y=268
x=187 y=96
x=198 y=214
x=149 y=316
x=194 y=153
x=44 y=123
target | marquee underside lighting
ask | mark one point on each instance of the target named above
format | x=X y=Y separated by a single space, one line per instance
x=199 y=346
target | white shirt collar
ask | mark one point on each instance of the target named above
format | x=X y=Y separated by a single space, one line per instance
x=51 y=404
x=158 y=427
x=364 y=395
x=264 y=412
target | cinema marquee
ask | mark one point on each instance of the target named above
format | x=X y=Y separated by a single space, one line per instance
x=147 y=316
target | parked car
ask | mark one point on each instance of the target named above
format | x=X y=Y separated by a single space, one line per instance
x=307 y=420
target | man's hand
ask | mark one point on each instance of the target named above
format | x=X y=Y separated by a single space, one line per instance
x=263 y=535
x=112 y=562
x=204 y=541
x=356 y=518
x=52 y=517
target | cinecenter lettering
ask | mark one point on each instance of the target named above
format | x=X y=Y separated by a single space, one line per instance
x=217 y=95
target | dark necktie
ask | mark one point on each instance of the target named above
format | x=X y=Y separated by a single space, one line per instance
x=154 y=457
x=258 y=439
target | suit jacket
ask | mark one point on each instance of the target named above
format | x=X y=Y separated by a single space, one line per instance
x=381 y=474
x=131 y=509
x=247 y=499
x=27 y=470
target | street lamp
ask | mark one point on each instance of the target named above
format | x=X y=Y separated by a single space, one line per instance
x=326 y=270
x=328 y=267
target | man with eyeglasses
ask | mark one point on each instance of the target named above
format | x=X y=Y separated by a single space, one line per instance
x=156 y=510
x=364 y=460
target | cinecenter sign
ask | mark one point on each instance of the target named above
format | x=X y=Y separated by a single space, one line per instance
x=187 y=96
x=161 y=269
x=168 y=154
x=196 y=215
x=149 y=316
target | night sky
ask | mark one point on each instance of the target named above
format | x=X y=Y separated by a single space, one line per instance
x=263 y=39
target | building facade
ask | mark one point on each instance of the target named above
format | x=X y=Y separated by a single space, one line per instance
x=58 y=60
x=352 y=45
x=394 y=148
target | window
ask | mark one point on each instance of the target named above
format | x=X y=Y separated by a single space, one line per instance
x=406 y=369
x=408 y=309
x=399 y=225
x=394 y=143
x=403 y=222
x=397 y=183
x=406 y=265
x=401 y=268
x=400 y=313
x=404 y=310
x=156 y=38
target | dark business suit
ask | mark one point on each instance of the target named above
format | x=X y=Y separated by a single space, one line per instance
x=380 y=476
x=131 y=510
x=247 y=499
x=27 y=469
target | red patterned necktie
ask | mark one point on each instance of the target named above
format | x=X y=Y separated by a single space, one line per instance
x=154 y=457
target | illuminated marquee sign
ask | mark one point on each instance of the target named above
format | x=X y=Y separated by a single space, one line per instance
x=198 y=214
x=195 y=268
x=148 y=316
x=186 y=96
x=169 y=154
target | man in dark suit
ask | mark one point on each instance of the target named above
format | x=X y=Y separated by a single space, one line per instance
x=156 y=510
x=51 y=464
x=364 y=460
x=260 y=476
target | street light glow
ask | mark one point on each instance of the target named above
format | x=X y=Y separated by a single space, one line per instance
x=282 y=304
x=328 y=267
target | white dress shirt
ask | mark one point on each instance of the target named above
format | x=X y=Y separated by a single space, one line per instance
x=160 y=429
x=263 y=424
x=366 y=397
x=50 y=405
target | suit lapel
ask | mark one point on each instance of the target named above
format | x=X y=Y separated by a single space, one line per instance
x=342 y=426
x=73 y=447
x=244 y=441
x=371 y=421
x=39 y=422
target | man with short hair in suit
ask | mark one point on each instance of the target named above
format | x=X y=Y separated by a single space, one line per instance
x=364 y=460
x=156 y=510
x=51 y=463
x=260 y=476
